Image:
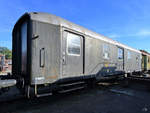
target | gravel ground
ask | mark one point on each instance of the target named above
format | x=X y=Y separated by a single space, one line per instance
x=101 y=99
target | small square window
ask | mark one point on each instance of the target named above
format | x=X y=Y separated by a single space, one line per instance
x=120 y=53
x=129 y=55
x=106 y=53
x=137 y=58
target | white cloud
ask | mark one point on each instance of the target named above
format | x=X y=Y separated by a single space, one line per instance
x=144 y=33
x=114 y=36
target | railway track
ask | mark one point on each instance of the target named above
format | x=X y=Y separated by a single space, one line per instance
x=87 y=100
x=71 y=87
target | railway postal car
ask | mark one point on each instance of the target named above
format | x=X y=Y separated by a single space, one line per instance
x=48 y=50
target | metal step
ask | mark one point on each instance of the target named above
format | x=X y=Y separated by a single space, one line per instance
x=69 y=90
x=72 y=84
x=139 y=78
x=64 y=88
x=43 y=95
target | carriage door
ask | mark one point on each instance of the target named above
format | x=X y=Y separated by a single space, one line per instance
x=120 y=59
x=72 y=54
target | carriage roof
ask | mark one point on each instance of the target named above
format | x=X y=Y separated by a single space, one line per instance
x=52 y=19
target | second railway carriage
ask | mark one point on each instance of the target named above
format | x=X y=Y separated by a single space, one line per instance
x=145 y=61
x=48 y=49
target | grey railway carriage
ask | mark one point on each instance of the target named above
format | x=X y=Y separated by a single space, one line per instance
x=49 y=50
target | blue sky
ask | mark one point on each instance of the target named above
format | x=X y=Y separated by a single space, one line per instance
x=127 y=21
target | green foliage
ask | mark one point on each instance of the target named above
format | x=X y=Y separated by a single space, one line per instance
x=5 y=51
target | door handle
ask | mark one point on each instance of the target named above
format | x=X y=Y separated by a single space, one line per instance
x=64 y=58
x=42 y=57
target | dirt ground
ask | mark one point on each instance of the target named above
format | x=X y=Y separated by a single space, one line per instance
x=101 y=99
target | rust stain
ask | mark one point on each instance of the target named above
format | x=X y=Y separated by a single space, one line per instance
x=55 y=76
x=52 y=77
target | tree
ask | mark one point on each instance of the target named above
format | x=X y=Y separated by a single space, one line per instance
x=5 y=51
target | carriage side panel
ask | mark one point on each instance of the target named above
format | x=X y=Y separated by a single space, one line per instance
x=45 y=53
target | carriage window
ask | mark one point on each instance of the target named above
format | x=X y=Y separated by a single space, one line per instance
x=120 y=53
x=23 y=47
x=129 y=55
x=73 y=44
x=137 y=58
x=106 y=51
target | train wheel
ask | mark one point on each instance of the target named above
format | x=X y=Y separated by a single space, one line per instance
x=21 y=86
